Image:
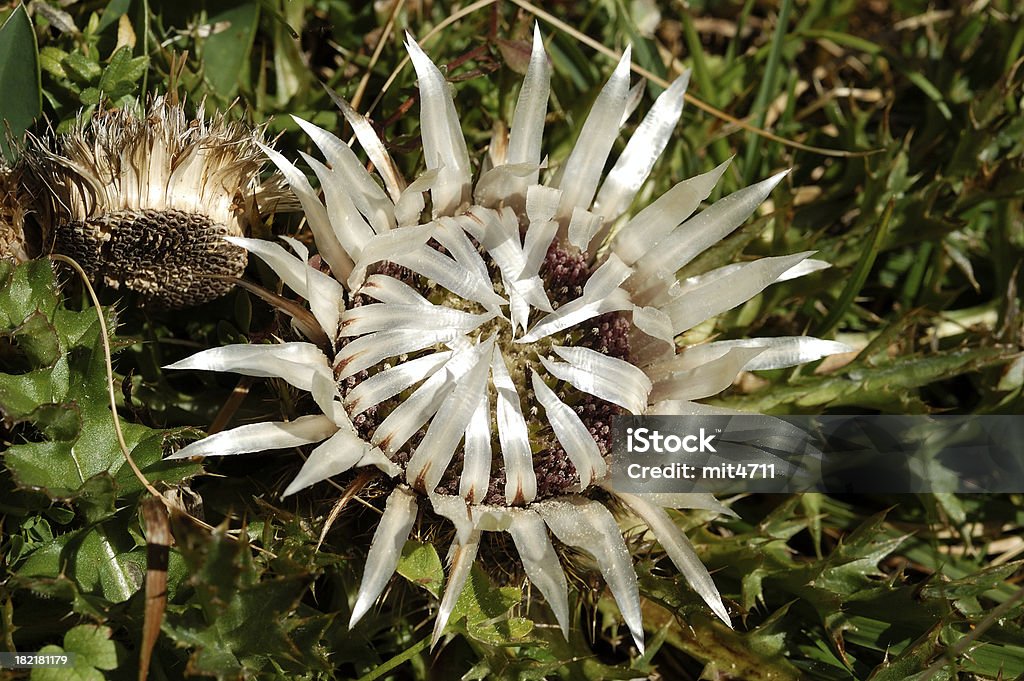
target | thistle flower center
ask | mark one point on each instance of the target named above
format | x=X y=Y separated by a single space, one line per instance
x=563 y=275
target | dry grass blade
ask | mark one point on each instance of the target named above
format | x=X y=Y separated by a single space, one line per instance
x=304 y=319
x=158 y=550
x=351 y=491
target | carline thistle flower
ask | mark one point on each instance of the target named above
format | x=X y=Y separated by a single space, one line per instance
x=482 y=353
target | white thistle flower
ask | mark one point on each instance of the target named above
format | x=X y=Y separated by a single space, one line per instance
x=145 y=202
x=483 y=353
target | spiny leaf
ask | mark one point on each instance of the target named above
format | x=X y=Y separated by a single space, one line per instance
x=231 y=594
x=64 y=395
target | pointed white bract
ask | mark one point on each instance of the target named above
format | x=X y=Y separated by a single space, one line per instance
x=583 y=169
x=463 y=557
x=444 y=147
x=325 y=295
x=572 y=434
x=385 y=549
x=294 y=362
x=643 y=150
x=679 y=550
x=259 y=437
x=367 y=196
x=588 y=526
x=476 y=462
x=668 y=211
x=540 y=562
x=609 y=378
x=484 y=347
x=337 y=454
x=434 y=452
x=524 y=143
x=721 y=293
x=513 y=436
x=655 y=271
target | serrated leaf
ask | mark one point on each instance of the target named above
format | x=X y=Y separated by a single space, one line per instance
x=57 y=421
x=753 y=655
x=850 y=567
x=971 y=586
x=230 y=595
x=26 y=288
x=102 y=561
x=64 y=395
x=37 y=338
x=916 y=657
x=889 y=387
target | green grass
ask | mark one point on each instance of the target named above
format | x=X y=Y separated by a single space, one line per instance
x=918 y=208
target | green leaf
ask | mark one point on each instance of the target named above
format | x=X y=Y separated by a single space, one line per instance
x=64 y=395
x=82 y=69
x=51 y=61
x=291 y=72
x=112 y=12
x=755 y=655
x=92 y=643
x=25 y=288
x=22 y=99
x=912 y=660
x=122 y=73
x=421 y=566
x=230 y=595
x=103 y=561
x=486 y=610
x=226 y=51
x=860 y=273
x=38 y=339
x=93 y=649
x=973 y=585
x=889 y=387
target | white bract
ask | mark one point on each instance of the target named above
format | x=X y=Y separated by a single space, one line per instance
x=482 y=353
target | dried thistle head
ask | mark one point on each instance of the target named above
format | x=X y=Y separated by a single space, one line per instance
x=13 y=243
x=145 y=203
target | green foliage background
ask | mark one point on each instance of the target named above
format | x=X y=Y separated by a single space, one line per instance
x=821 y=587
